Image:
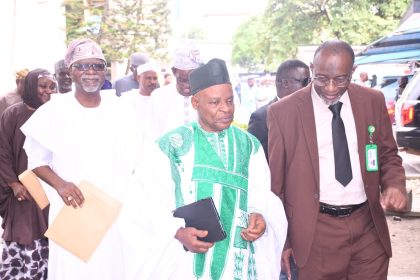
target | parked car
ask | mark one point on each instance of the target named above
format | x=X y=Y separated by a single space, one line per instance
x=388 y=85
x=407 y=114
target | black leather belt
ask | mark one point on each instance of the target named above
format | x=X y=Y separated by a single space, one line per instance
x=338 y=211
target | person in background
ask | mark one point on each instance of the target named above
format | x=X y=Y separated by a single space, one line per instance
x=15 y=95
x=364 y=79
x=335 y=165
x=249 y=96
x=62 y=76
x=374 y=81
x=167 y=79
x=130 y=81
x=24 y=223
x=107 y=85
x=147 y=77
x=266 y=91
x=211 y=158
x=140 y=99
x=238 y=90
x=402 y=83
x=172 y=103
x=85 y=135
x=291 y=76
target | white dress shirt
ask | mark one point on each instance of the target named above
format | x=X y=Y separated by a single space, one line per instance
x=331 y=191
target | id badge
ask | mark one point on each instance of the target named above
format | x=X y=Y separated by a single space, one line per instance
x=371 y=157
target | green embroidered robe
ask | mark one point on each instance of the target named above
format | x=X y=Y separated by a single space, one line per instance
x=198 y=171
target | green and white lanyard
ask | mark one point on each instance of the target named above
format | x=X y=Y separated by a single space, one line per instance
x=371 y=152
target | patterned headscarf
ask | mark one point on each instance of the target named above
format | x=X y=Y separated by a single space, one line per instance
x=30 y=92
x=82 y=48
x=187 y=57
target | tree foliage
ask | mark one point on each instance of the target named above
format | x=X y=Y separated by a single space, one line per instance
x=288 y=24
x=121 y=27
x=195 y=33
x=247 y=49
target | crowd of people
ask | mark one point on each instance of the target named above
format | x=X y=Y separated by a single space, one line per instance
x=300 y=195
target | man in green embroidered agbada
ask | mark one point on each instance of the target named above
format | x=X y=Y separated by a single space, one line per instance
x=212 y=158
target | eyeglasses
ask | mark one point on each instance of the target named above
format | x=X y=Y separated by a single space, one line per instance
x=304 y=81
x=149 y=78
x=340 y=81
x=87 y=66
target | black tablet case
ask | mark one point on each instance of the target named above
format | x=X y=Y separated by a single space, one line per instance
x=202 y=215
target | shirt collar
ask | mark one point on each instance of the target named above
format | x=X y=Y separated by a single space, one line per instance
x=220 y=134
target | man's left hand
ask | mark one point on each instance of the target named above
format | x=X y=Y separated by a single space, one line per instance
x=393 y=199
x=256 y=227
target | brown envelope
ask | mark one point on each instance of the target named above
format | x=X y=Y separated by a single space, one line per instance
x=81 y=230
x=31 y=182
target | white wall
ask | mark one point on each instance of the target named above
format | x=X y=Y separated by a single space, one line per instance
x=33 y=36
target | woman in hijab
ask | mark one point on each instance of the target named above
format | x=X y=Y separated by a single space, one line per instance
x=25 y=249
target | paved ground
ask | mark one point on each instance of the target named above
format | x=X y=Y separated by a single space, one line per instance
x=405 y=233
x=405 y=237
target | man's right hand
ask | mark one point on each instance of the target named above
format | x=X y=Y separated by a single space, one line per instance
x=285 y=262
x=19 y=191
x=70 y=194
x=189 y=238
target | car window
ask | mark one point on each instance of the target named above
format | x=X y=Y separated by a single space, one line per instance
x=385 y=81
x=390 y=91
x=389 y=85
x=413 y=88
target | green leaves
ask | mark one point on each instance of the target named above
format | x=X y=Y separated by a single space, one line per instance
x=122 y=26
x=288 y=24
x=248 y=46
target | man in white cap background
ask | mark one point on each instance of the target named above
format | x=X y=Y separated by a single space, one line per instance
x=147 y=77
x=172 y=103
x=211 y=158
x=67 y=141
x=129 y=81
x=249 y=94
x=139 y=99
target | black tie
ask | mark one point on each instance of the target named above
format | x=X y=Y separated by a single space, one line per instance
x=343 y=172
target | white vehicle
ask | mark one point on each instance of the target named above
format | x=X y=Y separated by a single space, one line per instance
x=407 y=115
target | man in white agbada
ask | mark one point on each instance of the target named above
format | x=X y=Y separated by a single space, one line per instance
x=84 y=135
x=172 y=103
x=140 y=99
x=212 y=158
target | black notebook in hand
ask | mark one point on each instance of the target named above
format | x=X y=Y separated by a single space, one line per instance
x=202 y=215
